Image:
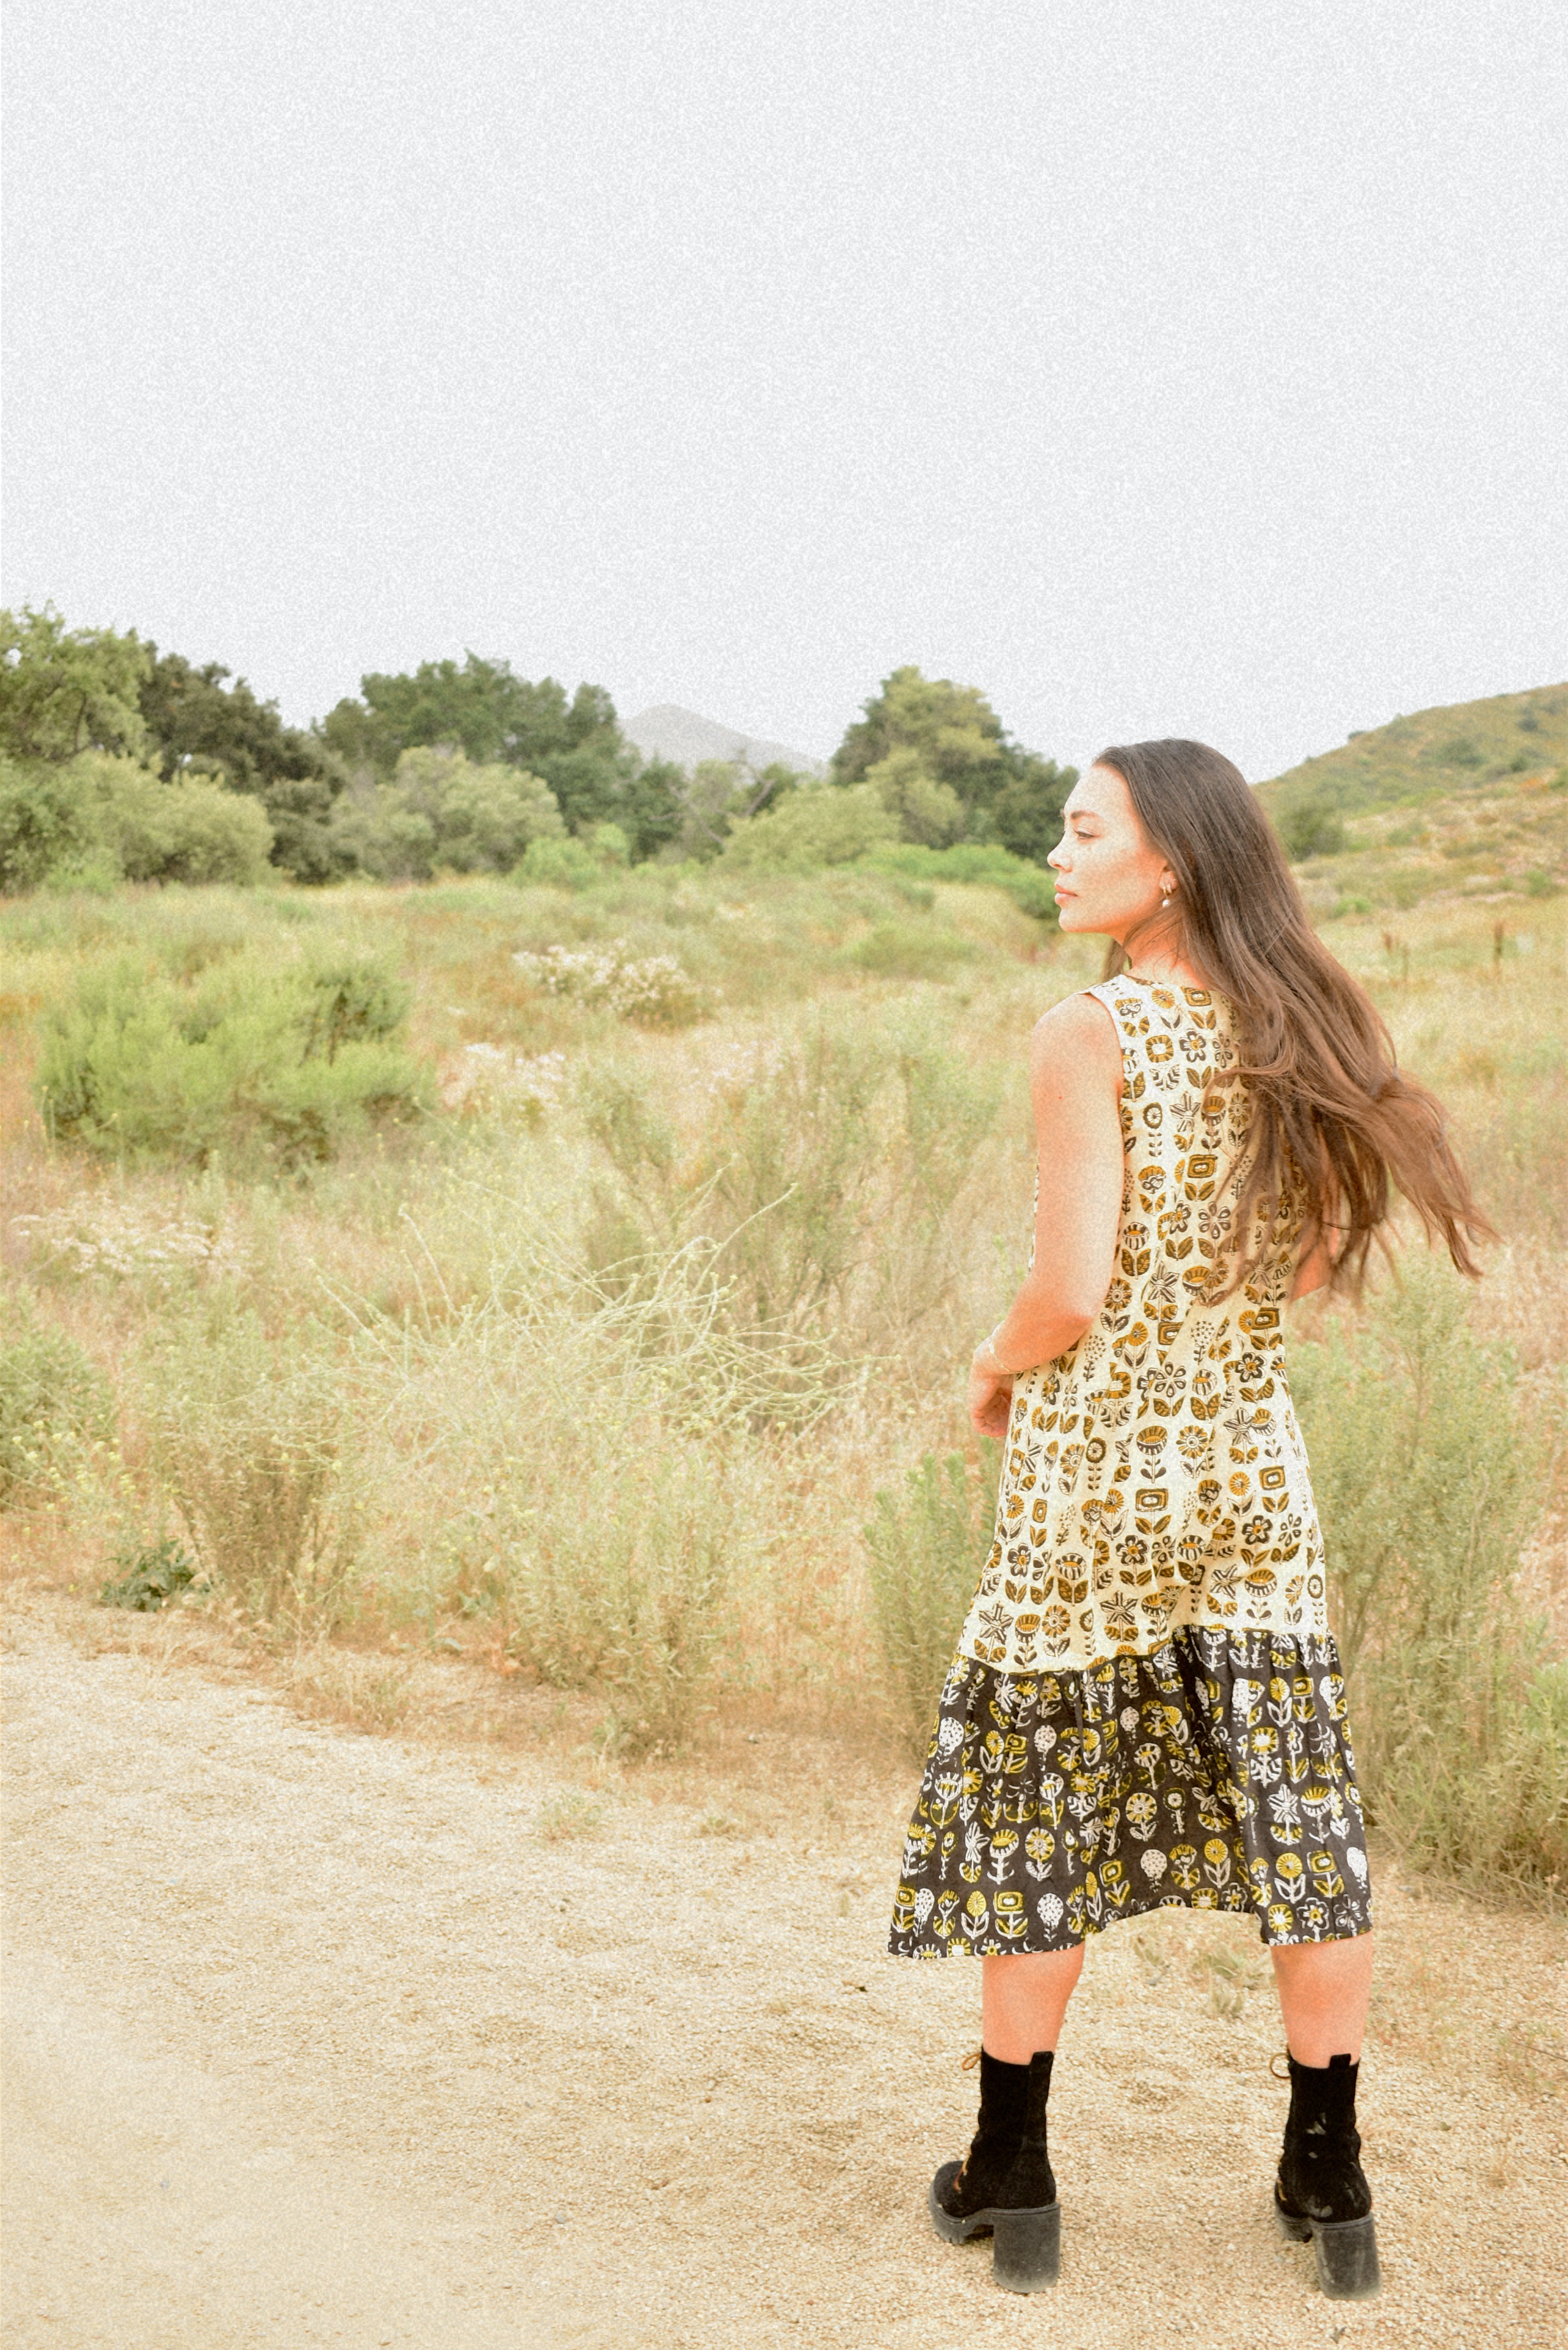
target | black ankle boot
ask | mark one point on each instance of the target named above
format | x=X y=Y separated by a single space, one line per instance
x=1321 y=2189
x=1005 y=2187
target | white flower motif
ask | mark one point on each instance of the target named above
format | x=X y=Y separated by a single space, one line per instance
x=925 y=1900
x=1128 y=1717
x=948 y=1736
x=1152 y=1864
x=1357 y=1860
x=1050 y=1910
x=1045 y=1738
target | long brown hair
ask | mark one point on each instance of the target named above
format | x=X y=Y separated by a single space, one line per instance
x=1337 y=1127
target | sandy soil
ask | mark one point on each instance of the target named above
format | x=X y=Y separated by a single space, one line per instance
x=315 y=2037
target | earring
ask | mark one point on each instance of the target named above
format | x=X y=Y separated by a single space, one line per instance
x=1165 y=901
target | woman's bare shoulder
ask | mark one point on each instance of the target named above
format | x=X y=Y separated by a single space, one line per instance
x=1077 y=1041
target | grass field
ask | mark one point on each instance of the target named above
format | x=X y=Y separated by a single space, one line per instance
x=577 y=1334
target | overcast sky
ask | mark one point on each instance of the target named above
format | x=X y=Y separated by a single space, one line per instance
x=1191 y=369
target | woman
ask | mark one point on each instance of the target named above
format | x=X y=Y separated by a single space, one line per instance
x=1145 y=1708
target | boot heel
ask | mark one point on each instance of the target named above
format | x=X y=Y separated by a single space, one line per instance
x=1298 y=2230
x=1027 y=2251
x=1347 y=2253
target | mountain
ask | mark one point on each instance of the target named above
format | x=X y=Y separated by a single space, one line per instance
x=1471 y=798
x=668 y=732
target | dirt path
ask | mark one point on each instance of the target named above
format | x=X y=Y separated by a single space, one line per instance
x=313 y=2038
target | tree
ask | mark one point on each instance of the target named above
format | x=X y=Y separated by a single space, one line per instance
x=1026 y=814
x=441 y=810
x=944 y=765
x=953 y=729
x=199 y=725
x=63 y=691
x=652 y=807
x=720 y=794
x=926 y=811
x=495 y=718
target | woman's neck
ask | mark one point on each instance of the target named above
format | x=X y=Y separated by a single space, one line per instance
x=1161 y=965
x=1153 y=951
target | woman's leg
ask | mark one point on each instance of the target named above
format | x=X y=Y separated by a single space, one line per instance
x=1324 y=1989
x=1024 y=2000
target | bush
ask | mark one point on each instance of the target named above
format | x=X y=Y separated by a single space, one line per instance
x=244 y=1438
x=441 y=810
x=926 y=1546
x=100 y=818
x=46 y=823
x=902 y=950
x=655 y=992
x=1030 y=886
x=816 y=826
x=55 y=1406
x=1311 y=826
x=1429 y=1480
x=151 y=1577
x=245 y=1061
x=925 y=810
x=568 y=864
x=192 y=829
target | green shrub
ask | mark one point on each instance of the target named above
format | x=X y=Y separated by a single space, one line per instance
x=1311 y=826
x=243 y=1061
x=55 y=1406
x=900 y=950
x=815 y=826
x=1430 y=1478
x=151 y=1577
x=100 y=819
x=1030 y=886
x=926 y=1545
x=927 y=811
x=1457 y=751
x=46 y=823
x=443 y=810
x=566 y=864
x=193 y=829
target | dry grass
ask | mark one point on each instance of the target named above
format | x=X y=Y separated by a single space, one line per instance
x=432 y=1285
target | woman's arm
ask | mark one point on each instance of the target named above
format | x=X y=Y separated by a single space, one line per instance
x=1076 y=1077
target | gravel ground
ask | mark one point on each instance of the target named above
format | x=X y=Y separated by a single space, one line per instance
x=316 y=2037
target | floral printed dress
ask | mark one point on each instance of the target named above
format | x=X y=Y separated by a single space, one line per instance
x=1146 y=1708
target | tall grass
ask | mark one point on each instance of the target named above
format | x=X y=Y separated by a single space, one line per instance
x=245 y=1436
x=599 y=1367
x=1430 y=1475
x=619 y=1453
x=924 y=1543
x=826 y=1167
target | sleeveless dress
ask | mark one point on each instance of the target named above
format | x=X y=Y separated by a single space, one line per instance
x=1147 y=1708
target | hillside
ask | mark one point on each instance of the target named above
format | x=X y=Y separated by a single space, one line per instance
x=1469 y=798
x=1462 y=748
x=668 y=732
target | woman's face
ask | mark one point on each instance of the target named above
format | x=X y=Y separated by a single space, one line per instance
x=1108 y=876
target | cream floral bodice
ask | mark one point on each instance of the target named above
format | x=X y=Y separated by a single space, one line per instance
x=1154 y=1474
